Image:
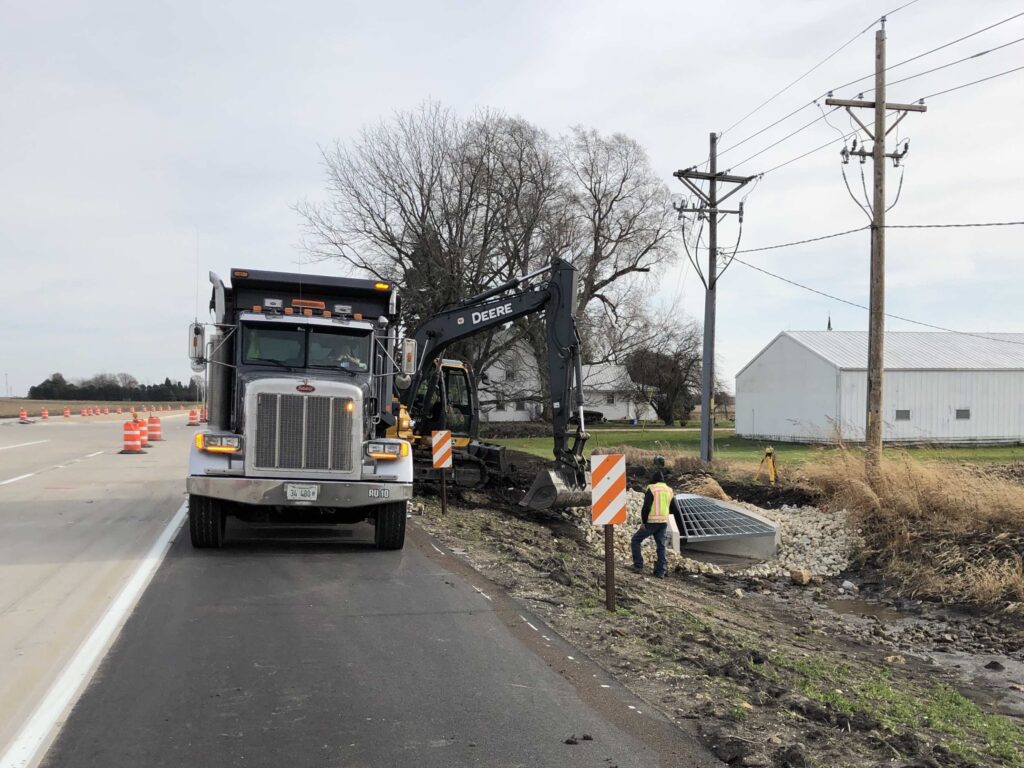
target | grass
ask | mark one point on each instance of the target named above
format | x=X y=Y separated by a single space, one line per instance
x=9 y=406
x=730 y=448
x=948 y=531
x=966 y=730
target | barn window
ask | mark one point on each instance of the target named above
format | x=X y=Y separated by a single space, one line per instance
x=902 y=415
x=520 y=405
x=499 y=404
x=609 y=399
x=963 y=413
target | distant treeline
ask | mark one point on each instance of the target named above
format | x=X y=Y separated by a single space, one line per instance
x=110 y=386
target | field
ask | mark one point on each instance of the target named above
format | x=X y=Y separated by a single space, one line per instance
x=9 y=406
x=730 y=448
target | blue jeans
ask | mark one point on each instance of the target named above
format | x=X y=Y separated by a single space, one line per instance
x=660 y=533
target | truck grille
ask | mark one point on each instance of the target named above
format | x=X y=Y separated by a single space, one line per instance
x=303 y=432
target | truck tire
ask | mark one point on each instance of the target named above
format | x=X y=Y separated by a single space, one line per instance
x=206 y=522
x=389 y=528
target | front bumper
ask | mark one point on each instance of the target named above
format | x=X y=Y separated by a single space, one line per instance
x=266 y=492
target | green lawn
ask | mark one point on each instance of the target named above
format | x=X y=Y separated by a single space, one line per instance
x=728 y=447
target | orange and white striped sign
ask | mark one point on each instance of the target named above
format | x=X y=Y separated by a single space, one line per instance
x=608 y=489
x=441 y=448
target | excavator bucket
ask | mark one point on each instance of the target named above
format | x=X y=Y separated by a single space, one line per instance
x=557 y=489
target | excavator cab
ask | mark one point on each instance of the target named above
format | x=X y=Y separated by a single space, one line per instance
x=446 y=399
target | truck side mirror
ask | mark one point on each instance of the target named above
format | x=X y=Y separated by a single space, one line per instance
x=409 y=356
x=196 y=344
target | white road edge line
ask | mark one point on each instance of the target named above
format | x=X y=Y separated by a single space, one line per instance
x=22 y=445
x=482 y=593
x=92 y=454
x=16 y=479
x=436 y=547
x=24 y=750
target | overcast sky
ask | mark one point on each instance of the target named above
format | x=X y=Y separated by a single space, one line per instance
x=138 y=137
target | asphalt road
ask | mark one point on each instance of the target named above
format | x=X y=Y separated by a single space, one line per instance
x=289 y=646
x=75 y=518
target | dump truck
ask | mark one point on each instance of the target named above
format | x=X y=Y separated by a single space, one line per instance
x=319 y=412
x=300 y=372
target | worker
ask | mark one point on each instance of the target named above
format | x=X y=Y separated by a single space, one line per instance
x=659 y=500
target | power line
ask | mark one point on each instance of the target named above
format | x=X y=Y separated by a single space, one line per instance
x=832 y=55
x=973 y=82
x=933 y=50
x=887 y=226
x=861 y=306
x=977 y=55
x=868 y=77
x=956 y=226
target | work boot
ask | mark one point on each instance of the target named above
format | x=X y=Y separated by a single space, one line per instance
x=660 y=575
x=638 y=569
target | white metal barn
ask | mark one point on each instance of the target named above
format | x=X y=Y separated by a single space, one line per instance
x=811 y=386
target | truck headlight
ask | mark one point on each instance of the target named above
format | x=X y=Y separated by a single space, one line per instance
x=214 y=443
x=387 y=451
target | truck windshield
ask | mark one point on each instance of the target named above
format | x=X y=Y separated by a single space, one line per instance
x=307 y=347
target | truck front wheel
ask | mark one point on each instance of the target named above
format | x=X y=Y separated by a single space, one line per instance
x=206 y=521
x=389 y=528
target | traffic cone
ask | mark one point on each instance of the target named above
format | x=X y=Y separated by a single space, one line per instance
x=67 y=412
x=132 y=438
x=44 y=414
x=154 y=429
x=193 y=419
x=143 y=428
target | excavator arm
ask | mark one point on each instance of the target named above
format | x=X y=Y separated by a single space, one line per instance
x=567 y=484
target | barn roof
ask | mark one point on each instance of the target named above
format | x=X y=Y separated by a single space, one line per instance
x=918 y=350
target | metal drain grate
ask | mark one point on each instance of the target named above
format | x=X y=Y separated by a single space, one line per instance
x=705 y=519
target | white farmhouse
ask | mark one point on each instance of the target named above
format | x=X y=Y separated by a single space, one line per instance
x=811 y=386
x=606 y=390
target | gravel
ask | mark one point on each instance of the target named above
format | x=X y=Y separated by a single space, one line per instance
x=822 y=542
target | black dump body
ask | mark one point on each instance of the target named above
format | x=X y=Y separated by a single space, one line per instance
x=342 y=296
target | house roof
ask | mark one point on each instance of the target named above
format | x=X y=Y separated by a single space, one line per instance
x=917 y=350
x=605 y=377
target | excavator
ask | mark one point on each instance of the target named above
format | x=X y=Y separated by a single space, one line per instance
x=440 y=394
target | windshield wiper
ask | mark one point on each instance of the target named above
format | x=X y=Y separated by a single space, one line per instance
x=275 y=361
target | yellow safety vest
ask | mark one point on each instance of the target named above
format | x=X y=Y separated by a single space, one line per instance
x=660 y=505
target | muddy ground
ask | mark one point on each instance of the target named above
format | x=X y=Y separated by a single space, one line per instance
x=775 y=674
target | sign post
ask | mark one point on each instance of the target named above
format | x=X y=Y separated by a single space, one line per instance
x=441 y=452
x=608 y=508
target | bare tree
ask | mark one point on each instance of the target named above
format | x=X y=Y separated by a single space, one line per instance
x=668 y=377
x=450 y=207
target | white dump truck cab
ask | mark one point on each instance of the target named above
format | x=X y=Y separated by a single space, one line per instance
x=299 y=377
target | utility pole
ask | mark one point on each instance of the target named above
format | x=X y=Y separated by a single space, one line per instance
x=876 y=317
x=709 y=208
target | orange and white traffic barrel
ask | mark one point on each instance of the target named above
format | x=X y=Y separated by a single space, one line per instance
x=202 y=416
x=106 y=411
x=154 y=429
x=143 y=427
x=119 y=410
x=67 y=412
x=193 y=419
x=132 y=438
x=44 y=414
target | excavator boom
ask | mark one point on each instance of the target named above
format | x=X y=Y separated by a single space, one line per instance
x=568 y=483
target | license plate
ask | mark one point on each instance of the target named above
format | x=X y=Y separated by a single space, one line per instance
x=301 y=491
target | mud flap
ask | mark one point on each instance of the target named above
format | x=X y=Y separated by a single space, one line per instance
x=556 y=489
